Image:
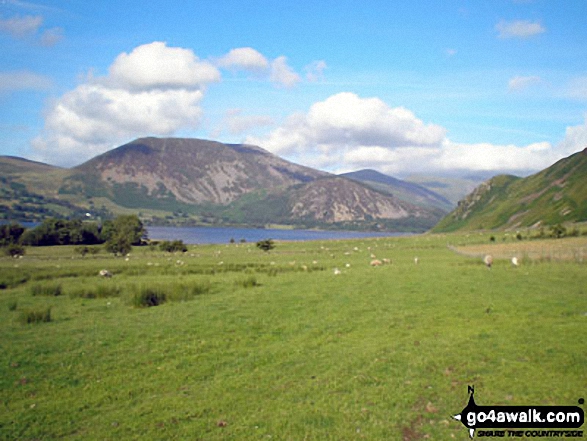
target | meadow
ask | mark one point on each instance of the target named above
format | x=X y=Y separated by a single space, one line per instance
x=252 y=345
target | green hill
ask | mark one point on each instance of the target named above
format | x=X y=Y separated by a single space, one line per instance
x=555 y=195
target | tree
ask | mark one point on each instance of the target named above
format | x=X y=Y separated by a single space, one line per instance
x=10 y=233
x=266 y=245
x=122 y=233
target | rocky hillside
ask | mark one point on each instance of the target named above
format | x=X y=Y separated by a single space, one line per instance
x=403 y=190
x=555 y=195
x=192 y=181
x=191 y=171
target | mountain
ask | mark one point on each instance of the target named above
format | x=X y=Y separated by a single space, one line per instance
x=555 y=195
x=452 y=188
x=192 y=181
x=190 y=171
x=406 y=191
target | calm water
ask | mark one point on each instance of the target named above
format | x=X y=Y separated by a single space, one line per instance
x=200 y=235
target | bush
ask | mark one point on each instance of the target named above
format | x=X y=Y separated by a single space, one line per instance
x=35 y=316
x=149 y=296
x=50 y=290
x=266 y=245
x=174 y=246
x=14 y=250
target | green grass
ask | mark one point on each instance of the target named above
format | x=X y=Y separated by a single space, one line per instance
x=371 y=353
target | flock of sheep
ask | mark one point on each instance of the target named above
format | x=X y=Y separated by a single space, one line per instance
x=487 y=260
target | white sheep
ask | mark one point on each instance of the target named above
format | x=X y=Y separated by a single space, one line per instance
x=105 y=273
x=416 y=260
x=376 y=262
x=488 y=261
x=515 y=261
x=337 y=271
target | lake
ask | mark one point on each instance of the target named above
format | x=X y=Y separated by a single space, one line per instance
x=216 y=235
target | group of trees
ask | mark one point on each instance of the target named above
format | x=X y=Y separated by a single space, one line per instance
x=118 y=235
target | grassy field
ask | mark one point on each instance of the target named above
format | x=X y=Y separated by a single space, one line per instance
x=248 y=345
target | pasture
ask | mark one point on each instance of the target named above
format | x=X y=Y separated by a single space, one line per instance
x=253 y=345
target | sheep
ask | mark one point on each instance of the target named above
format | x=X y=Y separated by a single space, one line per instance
x=488 y=261
x=416 y=260
x=388 y=261
x=336 y=271
x=376 y=262
x=105 y=273
x=515 y=261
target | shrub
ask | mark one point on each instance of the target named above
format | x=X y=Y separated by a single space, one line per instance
x=50 y=290
x=266 y=245
x=149 y=296
x=35 y=316
x=173 y=246
x=14 y=250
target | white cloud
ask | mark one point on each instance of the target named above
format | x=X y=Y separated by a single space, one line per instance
x=277 y=70
x=154 y=90
x=156 y=65
x=245 y=58
x=282 y=74
x=346 y=132
x=345 y=121
x=519 y=29
x=517 y=84
x=21 y=27
x=23 y=80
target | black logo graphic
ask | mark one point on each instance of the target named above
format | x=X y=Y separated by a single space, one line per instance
x=475 y=417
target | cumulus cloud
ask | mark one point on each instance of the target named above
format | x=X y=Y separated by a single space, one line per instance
x=245 y=58
x=154 y=90
x=278 y=71
x=156 y=65
x=345 y=121
x=519 y=29
x=346 y=132
x=23 y=80
x=517 y=84
x=21 y=27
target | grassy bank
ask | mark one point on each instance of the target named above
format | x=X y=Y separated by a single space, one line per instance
x=252 y=345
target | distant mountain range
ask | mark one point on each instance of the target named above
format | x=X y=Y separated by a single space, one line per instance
x=195 y=181
x=555 y=195
x=181 y=181
x=404 y=190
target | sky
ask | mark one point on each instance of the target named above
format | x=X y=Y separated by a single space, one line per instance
x=405 y=88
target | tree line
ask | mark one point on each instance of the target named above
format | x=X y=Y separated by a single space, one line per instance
x=118 y=235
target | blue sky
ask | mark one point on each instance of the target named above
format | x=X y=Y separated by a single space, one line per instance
x=400 y=87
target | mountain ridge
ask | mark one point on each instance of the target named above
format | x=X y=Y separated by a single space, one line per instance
x=554 y=195
x=209 y=182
